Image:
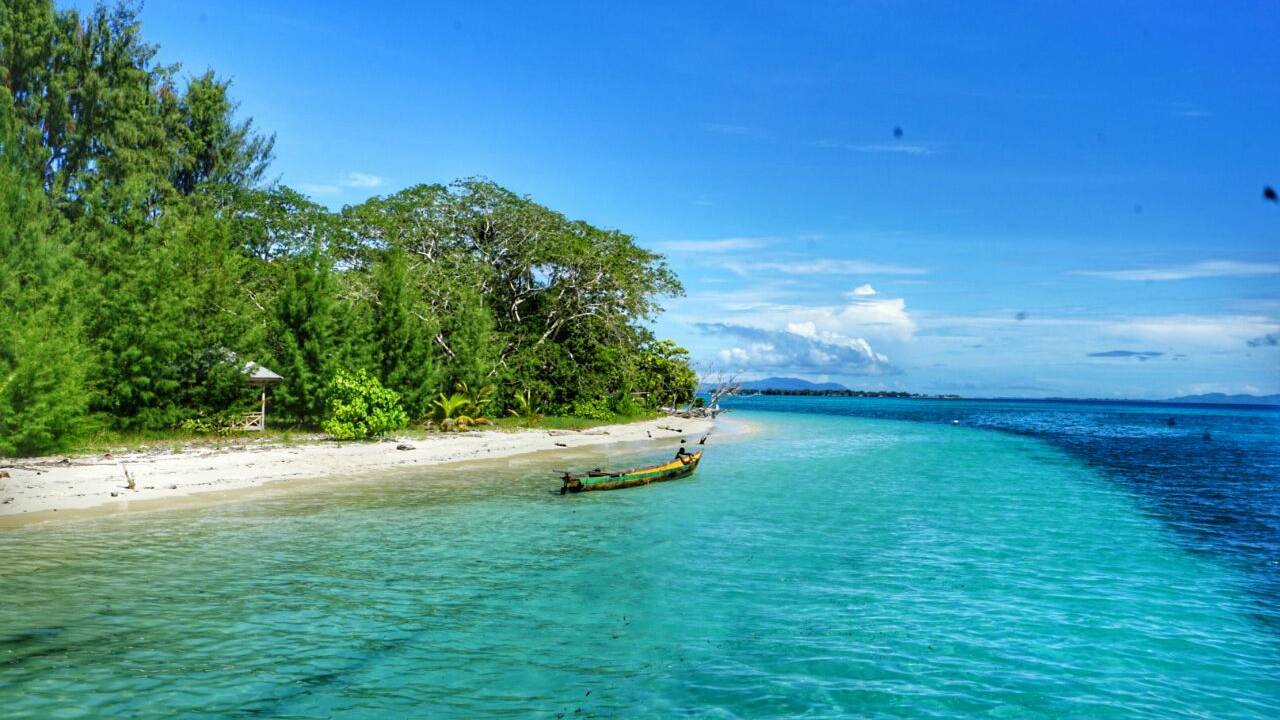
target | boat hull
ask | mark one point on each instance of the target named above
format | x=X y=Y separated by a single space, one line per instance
x=631 y=478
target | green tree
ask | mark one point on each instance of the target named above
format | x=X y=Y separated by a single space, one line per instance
x=43 y=361
x=305 y=345
x=213 y=149
x=183 y=263
x=403 y=331
x=664 y=374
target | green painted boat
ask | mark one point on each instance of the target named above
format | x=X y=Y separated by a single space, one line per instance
x=682 y=466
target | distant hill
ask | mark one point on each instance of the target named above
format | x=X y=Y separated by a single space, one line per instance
x=1223 y=399
x=789 y=383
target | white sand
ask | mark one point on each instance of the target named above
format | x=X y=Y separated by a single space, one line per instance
x=43 y=485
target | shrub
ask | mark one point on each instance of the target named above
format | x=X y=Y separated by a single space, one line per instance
x=526 y=409
x=360 y=407
x=626 y=405
x=223 y=423
x=591 y=409
x=460 y=410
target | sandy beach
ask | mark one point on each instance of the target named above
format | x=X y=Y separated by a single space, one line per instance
x=37 y=488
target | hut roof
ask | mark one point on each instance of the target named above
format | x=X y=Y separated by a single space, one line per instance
x=258 y=374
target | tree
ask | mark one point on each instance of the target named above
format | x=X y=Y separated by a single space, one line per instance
x=43 y=361
x=402 y=336
x=665 y=376
x=304 y=340
x=524 y=296
x=141 y=242
x=213 y=150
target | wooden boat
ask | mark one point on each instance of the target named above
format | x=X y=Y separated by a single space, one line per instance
x=682 y=466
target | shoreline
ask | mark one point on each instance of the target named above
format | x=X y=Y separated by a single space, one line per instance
x=56 y=488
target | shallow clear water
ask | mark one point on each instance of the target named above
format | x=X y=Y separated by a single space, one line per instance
x=834 y=565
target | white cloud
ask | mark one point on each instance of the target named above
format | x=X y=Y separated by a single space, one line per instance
x=776 y=304
x=827 y=267
x=311 y=189
x=1226 y=332
x=711 y=246
x=878 y=148
x=355 y=179
x=802 y=348
x=1206 y=388
x=1171 y=333
x=351 y=179
x=907 y=149
x=1188 y=110
x=863 y=290
x=1205 y=269
x=880 y=319
x=728 y=129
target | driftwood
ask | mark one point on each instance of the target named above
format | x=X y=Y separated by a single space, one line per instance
x=690 y=413
x=722 y=383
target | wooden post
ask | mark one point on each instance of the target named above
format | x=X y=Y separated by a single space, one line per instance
x=264 y=408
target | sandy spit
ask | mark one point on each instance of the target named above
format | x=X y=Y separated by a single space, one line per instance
x=37 y=487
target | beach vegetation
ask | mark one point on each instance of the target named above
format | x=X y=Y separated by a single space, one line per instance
x=360 y=407
x=44 y=359
x=525 y=408
x=591 y=408
x=665 y=374
x=145 y=250
x=223 y=423
x=461 y=410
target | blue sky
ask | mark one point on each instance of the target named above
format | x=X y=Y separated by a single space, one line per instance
x=1073 y=207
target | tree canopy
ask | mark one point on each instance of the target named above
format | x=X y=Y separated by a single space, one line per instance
x=143 y=255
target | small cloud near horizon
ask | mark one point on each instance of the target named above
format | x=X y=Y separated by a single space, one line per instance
x=1268 y=340
x=1141 y=355
x=863 y=291
x=712 y=246
x=355 y=179
x=352 y=179
x=312 y=189
x=877 y=148
x=728 y=129
x=1188 y=110
x=1205 y=269
x=821 y=266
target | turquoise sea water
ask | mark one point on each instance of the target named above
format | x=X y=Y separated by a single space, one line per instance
x=833 y=565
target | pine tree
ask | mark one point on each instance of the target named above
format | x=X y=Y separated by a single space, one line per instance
x=42 y=356
x=306 y=348
x=402 y=335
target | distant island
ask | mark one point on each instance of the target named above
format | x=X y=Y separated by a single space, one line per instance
x=1224 y=399
x=789 y=383
x=848 y=393
x=800 y=386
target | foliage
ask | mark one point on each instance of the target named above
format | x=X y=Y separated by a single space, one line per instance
x=665 y=376
x=305 y=336
x=43 y=362
x=401 y=336
x=462 y=409
x=591 y=408
x=144 y=257
x=360 y=407
x=525 y=408
x=223 y=424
